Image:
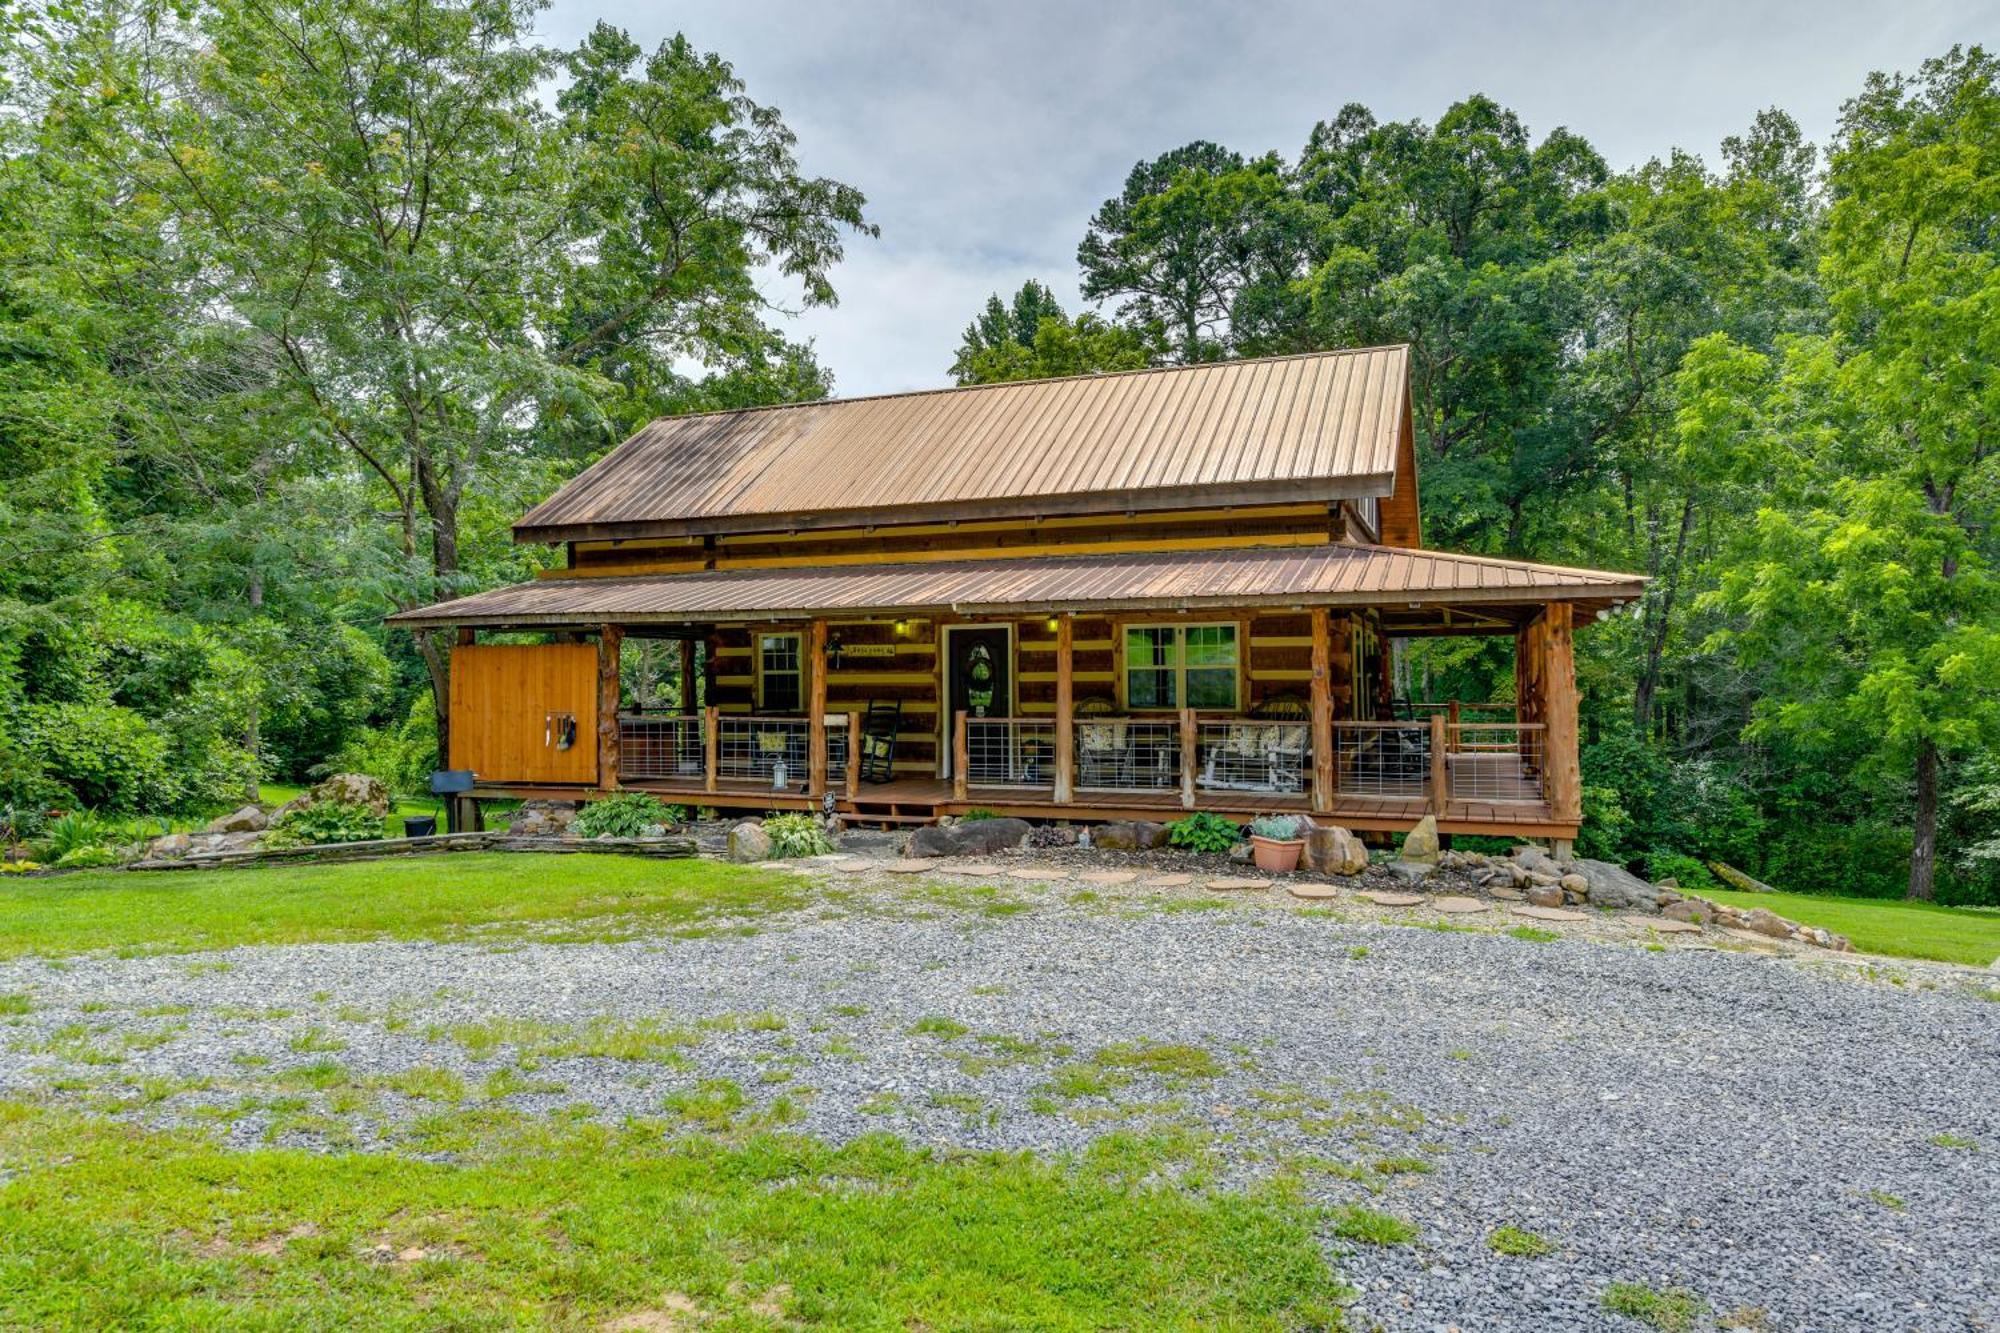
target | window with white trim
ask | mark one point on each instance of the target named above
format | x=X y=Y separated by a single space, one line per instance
x=1181 y=666
x=780 y=675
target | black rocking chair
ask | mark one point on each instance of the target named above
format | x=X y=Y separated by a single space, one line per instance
x=878 y=739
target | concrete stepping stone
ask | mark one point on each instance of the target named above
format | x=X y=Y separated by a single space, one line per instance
x=853 y=865
x=1668 y=926
x=1109 y=876
x=1549 y=914
x=1314 y=891
x=792 y=866
x=1752 y=937
x=1458 y=906
x=1381 y=899
x=832 y=858
x=1232 y=885
x=911 y=865
x=1166 y=881
x=1039 y=872
x=986 y=868
x=1507 y=895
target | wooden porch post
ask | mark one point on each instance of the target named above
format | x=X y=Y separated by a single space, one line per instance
x=1322 y=712
x=711 y=741
x=1065 y=790
x=689 y=702
x=816 y=709
x=1565 y=781
x=1440 y=773
x=609 y=638
x=960 y=755
x=853 y=755
x=1188 y=761
x=1454 y=737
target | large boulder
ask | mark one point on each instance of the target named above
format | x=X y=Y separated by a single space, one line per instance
x=169 y=848
x=969 y=837
x=249 y=819
x=542 y=819
x=1421 y=842
x=1533 y=860
x=345 y=789
x=1332 y=850
x=1126 y=835
x=1616 y=887
x=749 y=842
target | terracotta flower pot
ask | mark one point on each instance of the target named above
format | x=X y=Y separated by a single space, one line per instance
x=1280 y=856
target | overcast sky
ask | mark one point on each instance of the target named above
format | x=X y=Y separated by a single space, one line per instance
x=985 y=135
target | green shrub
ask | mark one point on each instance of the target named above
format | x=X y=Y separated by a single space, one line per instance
x=1684 y=870
x=1203 y=832
x=324 y=822
x=402 y=756
x=796 y=835
x=88 y=858
x=109 y=757
x=1280 y=828
x=976 y=814
x=627 y=815
x=74 y=834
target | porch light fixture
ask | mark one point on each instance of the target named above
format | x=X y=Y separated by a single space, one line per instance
x=902 y=627
x=1052 y=624
x=833 y=652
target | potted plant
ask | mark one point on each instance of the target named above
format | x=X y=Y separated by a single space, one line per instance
x=1275 y=843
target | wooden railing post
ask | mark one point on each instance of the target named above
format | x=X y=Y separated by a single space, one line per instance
x=609 y=637
x=1322 y=712
x=711 y=741
x=816 y=710
x=960 y=755
x=1440 y=771
x=1564 y=781
x=1065 y=778
x=853 y=755
x=1188 y=759
x=1457 y=741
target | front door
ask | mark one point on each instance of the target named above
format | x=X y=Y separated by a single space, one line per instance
x=978 y=676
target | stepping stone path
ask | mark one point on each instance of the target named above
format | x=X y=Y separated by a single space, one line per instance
x=1668 y=926
x=833 y=858
x=1039 y=872
x=1510 y=895
x=853 y=865
x=1549 y=914
x=1752 y=937
x=1459 y=906
x=1381 y=899
x=977 y=868
x=1167 y=881
x=911 y=865
x=1109 y=877
x=793 y=866
x=1230 y=885
x=1314 y=891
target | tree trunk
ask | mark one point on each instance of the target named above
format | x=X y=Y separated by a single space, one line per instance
x=440 y=501
x=1923 y=848
x=253 y=725
x=1659 y=622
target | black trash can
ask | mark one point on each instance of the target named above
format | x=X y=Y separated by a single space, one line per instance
x=420 y=826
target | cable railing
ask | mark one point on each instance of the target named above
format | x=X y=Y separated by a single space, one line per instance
x=764 y=751
x=1497 y=762
x=1128 y=754
x=661 y=746
x=1253 y=755
x=1384 y=760
x=1010 y=752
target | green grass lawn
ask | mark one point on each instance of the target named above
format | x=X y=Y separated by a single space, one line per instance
x=579 y=1226
x=1887 y=925
x=421 y=897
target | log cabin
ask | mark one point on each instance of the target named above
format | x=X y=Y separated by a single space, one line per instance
x=1108 y=596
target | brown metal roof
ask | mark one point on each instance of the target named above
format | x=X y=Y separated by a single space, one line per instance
x=1331 y=575
x=1306 y=427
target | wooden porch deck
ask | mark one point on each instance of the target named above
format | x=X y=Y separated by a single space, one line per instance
x=923 y=800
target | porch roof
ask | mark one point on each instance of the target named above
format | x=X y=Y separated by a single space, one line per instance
x=1336 y=574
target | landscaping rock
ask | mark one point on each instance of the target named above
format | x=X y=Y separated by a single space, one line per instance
x=1615 y=887
x=1414 y=872
x=543 y=819
x=249 y=819
x=1240 y=854
x=749 y=842
x=170 y=848
x=1129 y=835
x=1576 y=884
x=1332 y=850
x=1690 y=910
x=1545 y=895
x=1532 y=860
x=1768 y=923
x=354 y=789
x=1421 y=842
x=1736 y=879
x=969 y=837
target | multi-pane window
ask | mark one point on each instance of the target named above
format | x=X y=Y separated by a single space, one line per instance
x=780 y=682
x=1180 y=666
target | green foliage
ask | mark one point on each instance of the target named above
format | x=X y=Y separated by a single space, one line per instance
x=71 y=839
x=402 y=756
x=796 y=835
x=1280 y=828
x=109 y=757
x=1672 y=1310
x=1519 y=1244
x=976 y=814
x=627 y=815
x=1203 y=832
x=1687 y=871
x=324 y=822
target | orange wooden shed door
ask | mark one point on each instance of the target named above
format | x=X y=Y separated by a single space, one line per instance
x=525 y=712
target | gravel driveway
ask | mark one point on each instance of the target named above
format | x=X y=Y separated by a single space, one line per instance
x=1801 y=1145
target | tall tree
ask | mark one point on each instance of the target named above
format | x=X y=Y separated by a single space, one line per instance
x=440 y=264
x=1031 y=338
